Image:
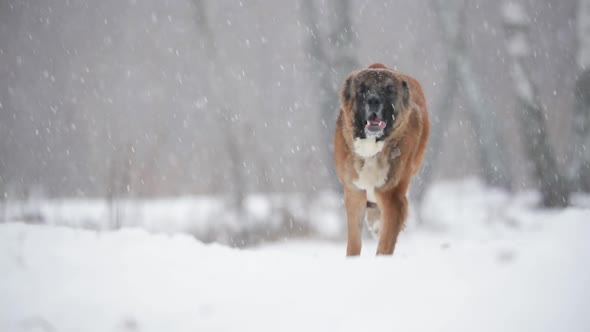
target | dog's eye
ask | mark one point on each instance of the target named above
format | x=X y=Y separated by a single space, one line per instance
x=363 y=88
x=389 y=88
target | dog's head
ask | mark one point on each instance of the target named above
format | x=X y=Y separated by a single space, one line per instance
x=374 y=101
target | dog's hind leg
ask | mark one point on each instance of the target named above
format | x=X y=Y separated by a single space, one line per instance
x=373 y=219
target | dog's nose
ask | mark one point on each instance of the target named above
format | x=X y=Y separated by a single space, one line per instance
x=373 y=101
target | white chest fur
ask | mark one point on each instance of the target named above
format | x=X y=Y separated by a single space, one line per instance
x=372 y=174
x=367 y=147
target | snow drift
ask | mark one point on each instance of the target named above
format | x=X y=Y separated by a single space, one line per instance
x=62 y=279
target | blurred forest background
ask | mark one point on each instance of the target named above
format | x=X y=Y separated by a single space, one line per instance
x=144 y=99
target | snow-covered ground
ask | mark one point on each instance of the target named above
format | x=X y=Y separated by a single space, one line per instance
x=463 y=206
x=205 y=217
x=486 y=268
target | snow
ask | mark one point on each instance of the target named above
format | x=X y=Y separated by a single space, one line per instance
x=197 y=215
x=494 y=264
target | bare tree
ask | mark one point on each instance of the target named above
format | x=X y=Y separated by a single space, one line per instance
x=4 y=149
x=460 y=73
x=315 y=50
x=485 y=124
x=581 y=158
x=218 y=76
x=454 y=22
x=344 y=59
x=329 y=68
x=531 y=117
x=119 y=182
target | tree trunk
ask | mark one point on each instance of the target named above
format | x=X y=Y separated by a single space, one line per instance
x=329 y=69
x=443 y=110
x=452 y=16
x=552 y=184
x=344 y=61
x=319 y=69
x=581 y=158
x=217 y=75
x=344 y=57
x=492 y=152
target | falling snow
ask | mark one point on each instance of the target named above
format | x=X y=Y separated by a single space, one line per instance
x=216 y=119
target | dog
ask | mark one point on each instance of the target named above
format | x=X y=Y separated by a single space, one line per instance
x=379 y=143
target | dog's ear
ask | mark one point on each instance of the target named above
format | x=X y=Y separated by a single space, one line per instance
x=405 y=93
x=346 y=92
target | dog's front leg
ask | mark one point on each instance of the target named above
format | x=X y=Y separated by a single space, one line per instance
x=355 y=202
x=394 y=209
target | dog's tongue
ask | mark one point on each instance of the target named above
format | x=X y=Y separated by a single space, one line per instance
x=376 y=122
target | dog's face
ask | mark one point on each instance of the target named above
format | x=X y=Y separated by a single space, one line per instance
x=376 y=100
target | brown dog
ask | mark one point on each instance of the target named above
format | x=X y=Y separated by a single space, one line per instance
x=379 y=143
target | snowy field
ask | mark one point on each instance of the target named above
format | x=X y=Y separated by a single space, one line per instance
x=492 y=263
